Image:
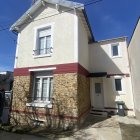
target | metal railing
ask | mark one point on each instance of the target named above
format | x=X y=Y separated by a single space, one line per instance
x=43 y=51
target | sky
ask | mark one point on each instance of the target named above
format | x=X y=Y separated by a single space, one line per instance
x=108 y=19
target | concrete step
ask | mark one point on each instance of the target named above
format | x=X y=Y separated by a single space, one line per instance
x=98 y=112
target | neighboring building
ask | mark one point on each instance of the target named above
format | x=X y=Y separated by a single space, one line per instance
x=56 y=68
x=6 y=80
x=134 y=57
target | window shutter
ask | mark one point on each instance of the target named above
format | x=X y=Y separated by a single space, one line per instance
x=44 y=32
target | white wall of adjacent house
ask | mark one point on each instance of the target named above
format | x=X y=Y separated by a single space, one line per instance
x=62 y=33
x=101 y=60
x=134 y=57
x=83 y=47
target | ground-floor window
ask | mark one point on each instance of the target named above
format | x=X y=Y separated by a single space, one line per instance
x=43 y=88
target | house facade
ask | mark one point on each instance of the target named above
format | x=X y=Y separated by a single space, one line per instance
x=110 y=76
x=134 y=58
x=50 y=83
x=59 y=67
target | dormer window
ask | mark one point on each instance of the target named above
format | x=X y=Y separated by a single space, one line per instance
x=43 y=45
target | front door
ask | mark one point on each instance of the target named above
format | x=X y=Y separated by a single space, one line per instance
x=98 y=96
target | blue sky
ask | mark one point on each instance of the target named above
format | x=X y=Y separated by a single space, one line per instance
x=108 y=19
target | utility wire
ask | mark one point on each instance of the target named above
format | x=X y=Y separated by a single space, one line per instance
x=3 y=29
x=16 y=43
x=93 y=2
x=13 y=39
x=86 y=4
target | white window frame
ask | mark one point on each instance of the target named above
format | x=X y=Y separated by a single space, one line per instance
x=36 y=30
x=41 y=79
x=122 y=84
x=40 y=103
x=119 y=50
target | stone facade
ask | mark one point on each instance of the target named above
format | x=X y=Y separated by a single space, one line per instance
x=21 y=91
x=70 y=101
x=84 y=102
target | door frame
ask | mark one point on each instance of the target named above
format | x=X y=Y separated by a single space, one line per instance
x=92 y=91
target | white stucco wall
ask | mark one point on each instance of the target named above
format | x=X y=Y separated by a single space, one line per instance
x=83 y=47
x=134 y=57
x=102 y=61
x=63 y=39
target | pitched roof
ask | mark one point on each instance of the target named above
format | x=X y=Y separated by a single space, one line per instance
x=69 y=4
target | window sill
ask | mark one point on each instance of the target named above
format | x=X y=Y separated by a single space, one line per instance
x=113 y=57
x=39 y=104
x=40 y=56
x=120 y=92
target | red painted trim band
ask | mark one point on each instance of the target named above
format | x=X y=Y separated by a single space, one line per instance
x=52 y=115
x=60 y=68
x=114 y=108
x=122 y=74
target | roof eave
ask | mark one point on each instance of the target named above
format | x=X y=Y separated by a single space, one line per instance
x=30 y=11
x=92 y=36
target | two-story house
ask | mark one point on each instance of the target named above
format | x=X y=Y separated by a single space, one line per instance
x=52 y=64
x=60 y=71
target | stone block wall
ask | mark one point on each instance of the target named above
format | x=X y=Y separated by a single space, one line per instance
x=84 y=103
x=21 y=92
x=70 y=101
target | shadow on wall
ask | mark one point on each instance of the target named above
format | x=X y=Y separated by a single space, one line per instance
x=33 y=117
x=101 y=61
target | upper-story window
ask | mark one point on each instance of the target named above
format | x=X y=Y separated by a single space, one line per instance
x=115 y=50
x=43 y=44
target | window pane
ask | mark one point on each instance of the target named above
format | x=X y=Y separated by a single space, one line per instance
x=44 y=89
x=97 y=87
x=115 y=50
x=44 y=41
x=41 y=45
x=118 y=85
x=48 y=44
x=37 y=87
x=50 y=88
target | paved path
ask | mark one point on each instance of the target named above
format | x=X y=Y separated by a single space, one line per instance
x=115 y=128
